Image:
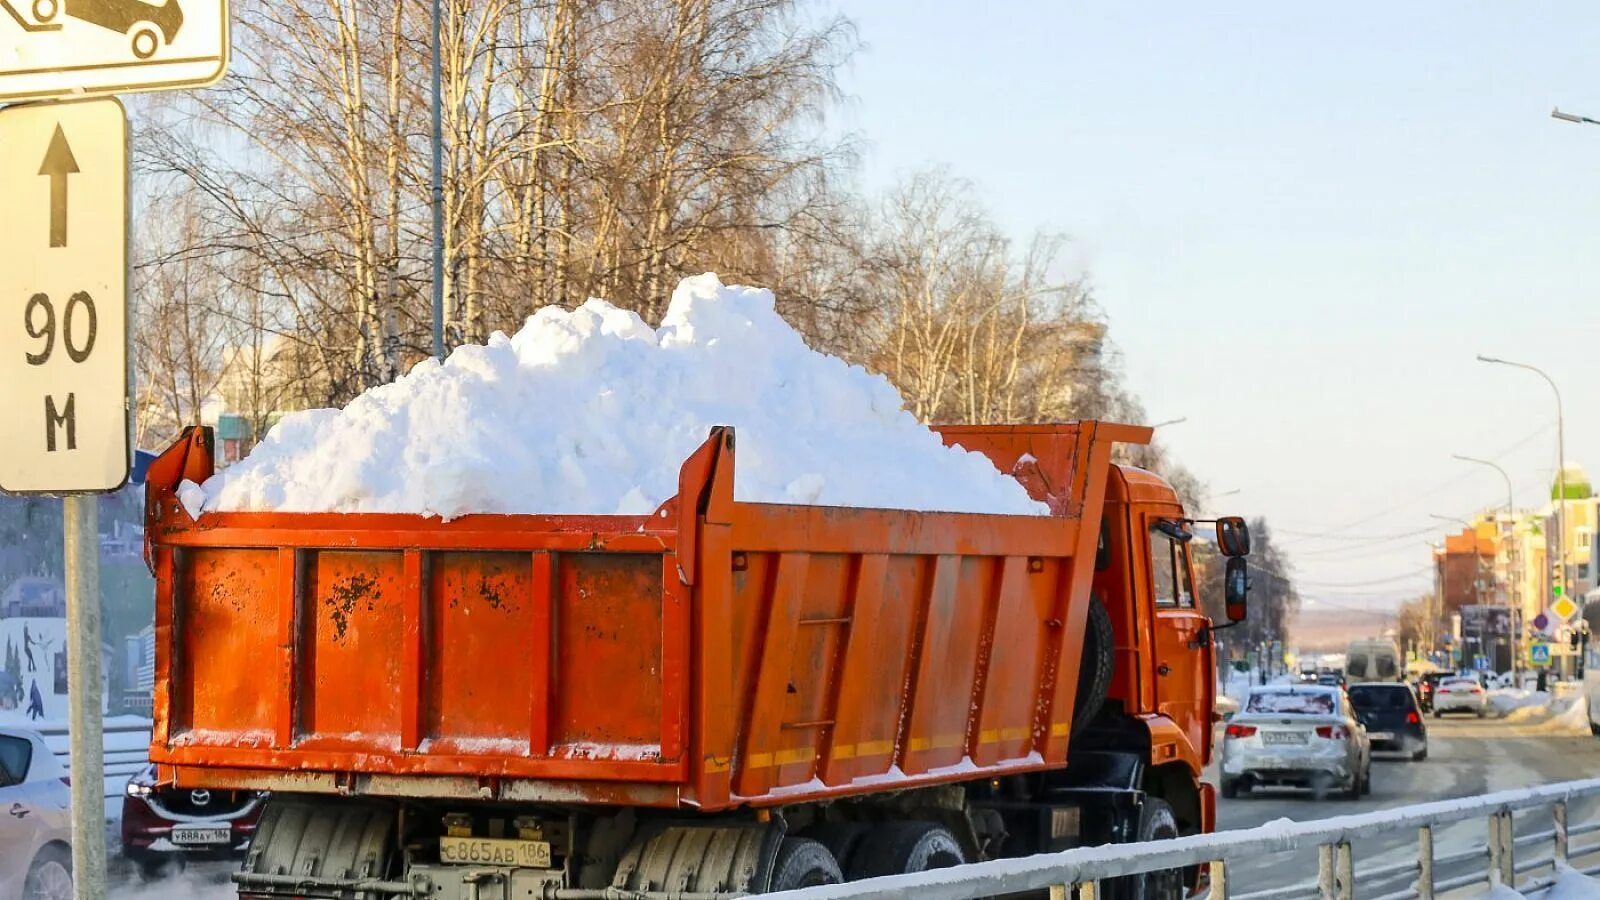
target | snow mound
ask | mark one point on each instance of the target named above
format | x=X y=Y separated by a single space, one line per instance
x=590 y=411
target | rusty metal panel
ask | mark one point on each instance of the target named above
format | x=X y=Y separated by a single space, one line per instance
x=608 y=657
x=225 y=616
x=351 y=643
x=479 y=641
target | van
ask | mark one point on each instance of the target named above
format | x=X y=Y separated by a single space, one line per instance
x=1375 y=659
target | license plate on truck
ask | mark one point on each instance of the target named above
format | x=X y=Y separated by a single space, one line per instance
x=494 y=852
x=216 y=834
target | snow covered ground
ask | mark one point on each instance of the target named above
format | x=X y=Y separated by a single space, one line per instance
x=1570 y=885
x=590 y=411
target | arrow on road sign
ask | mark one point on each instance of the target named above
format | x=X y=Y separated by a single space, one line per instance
x=58 y=164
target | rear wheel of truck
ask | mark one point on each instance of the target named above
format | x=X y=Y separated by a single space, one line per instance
x=1096 y=667
x=841 y=839
x=1156 y=823
x=803 y=863
x=900 y=848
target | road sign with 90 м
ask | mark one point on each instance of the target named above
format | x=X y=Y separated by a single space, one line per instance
x=63 y=297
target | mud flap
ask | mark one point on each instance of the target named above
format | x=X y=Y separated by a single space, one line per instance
x=734 y=858
x=321 y=846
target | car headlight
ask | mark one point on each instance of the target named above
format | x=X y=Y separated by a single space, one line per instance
x=138 y=789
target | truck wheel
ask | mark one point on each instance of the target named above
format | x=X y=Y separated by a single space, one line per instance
x=1095 y=669
x=899 y=848
x=841 y=839
x=1156 y=823
x=322 y=838
x=803 y=863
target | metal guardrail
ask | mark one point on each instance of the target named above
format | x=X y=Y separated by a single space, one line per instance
x=120 y=764
x=1083 y=872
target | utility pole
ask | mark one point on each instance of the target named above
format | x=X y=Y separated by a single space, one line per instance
x=438 y=188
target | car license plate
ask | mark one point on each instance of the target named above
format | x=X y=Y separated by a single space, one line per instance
x=216 y=834
x=1380 y=735
x=494 y=852
x=1282 y=737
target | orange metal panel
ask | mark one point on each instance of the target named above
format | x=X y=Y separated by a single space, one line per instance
x=481 y=651
x=947 y=658
x=855 y=748
x=608 y=656
x=350 y=650
x=226 y=618
x=1020 y=640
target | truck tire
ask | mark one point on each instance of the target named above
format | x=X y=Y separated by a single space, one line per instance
x=900 y=848
x=803 y=863
x=1156 y=823
x=322 y=838
x=841 y=839
x=1095 y=670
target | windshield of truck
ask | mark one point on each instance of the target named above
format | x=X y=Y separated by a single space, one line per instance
x=1357 y=665
x=1169 y=566
x=1378 y=696
x=1306 y=703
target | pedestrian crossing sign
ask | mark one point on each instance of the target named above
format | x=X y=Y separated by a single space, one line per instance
x=1539 y=653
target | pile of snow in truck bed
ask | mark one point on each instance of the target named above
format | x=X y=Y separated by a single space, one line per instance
x=592 y=411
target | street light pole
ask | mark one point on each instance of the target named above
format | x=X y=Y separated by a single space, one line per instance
x=1569 y=117
x=437 y=175
x=1561 y=465
x=1178 y=421
x=1512 y=601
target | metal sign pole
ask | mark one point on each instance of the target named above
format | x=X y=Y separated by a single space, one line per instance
x=82 y=542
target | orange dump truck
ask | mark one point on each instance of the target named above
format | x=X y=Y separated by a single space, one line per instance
x=716 y=699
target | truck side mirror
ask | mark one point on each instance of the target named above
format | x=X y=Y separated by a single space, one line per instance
x=1235 y=586
x=1233 y=536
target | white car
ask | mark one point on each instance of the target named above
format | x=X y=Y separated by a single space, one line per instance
x=1460 y=695
x=1302 y=736
x=35 y=853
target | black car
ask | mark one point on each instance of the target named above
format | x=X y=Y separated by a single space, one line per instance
x=1428 y=684
x=1389 y=712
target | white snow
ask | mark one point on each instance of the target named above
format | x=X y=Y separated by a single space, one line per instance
x=192 y=496
x=591 y=411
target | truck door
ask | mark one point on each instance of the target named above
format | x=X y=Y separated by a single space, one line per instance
x=1185 y=680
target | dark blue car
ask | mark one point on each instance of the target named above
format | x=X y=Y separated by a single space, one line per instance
x=1389 y=712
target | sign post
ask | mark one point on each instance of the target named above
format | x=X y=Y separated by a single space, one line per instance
x=64 y=271
x=64 y=360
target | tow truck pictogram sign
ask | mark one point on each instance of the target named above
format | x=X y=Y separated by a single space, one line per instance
x=58 y=48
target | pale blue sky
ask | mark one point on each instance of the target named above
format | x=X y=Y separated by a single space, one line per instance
x=1303 y=221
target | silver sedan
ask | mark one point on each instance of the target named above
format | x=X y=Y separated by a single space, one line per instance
x=1296 y=736
x=35 y=829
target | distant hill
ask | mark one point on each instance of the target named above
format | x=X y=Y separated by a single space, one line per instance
x=1332 y=630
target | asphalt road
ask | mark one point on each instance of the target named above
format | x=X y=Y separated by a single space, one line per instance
x=1467 y=757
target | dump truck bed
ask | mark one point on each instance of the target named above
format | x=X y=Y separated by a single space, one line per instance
x=712 y=654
